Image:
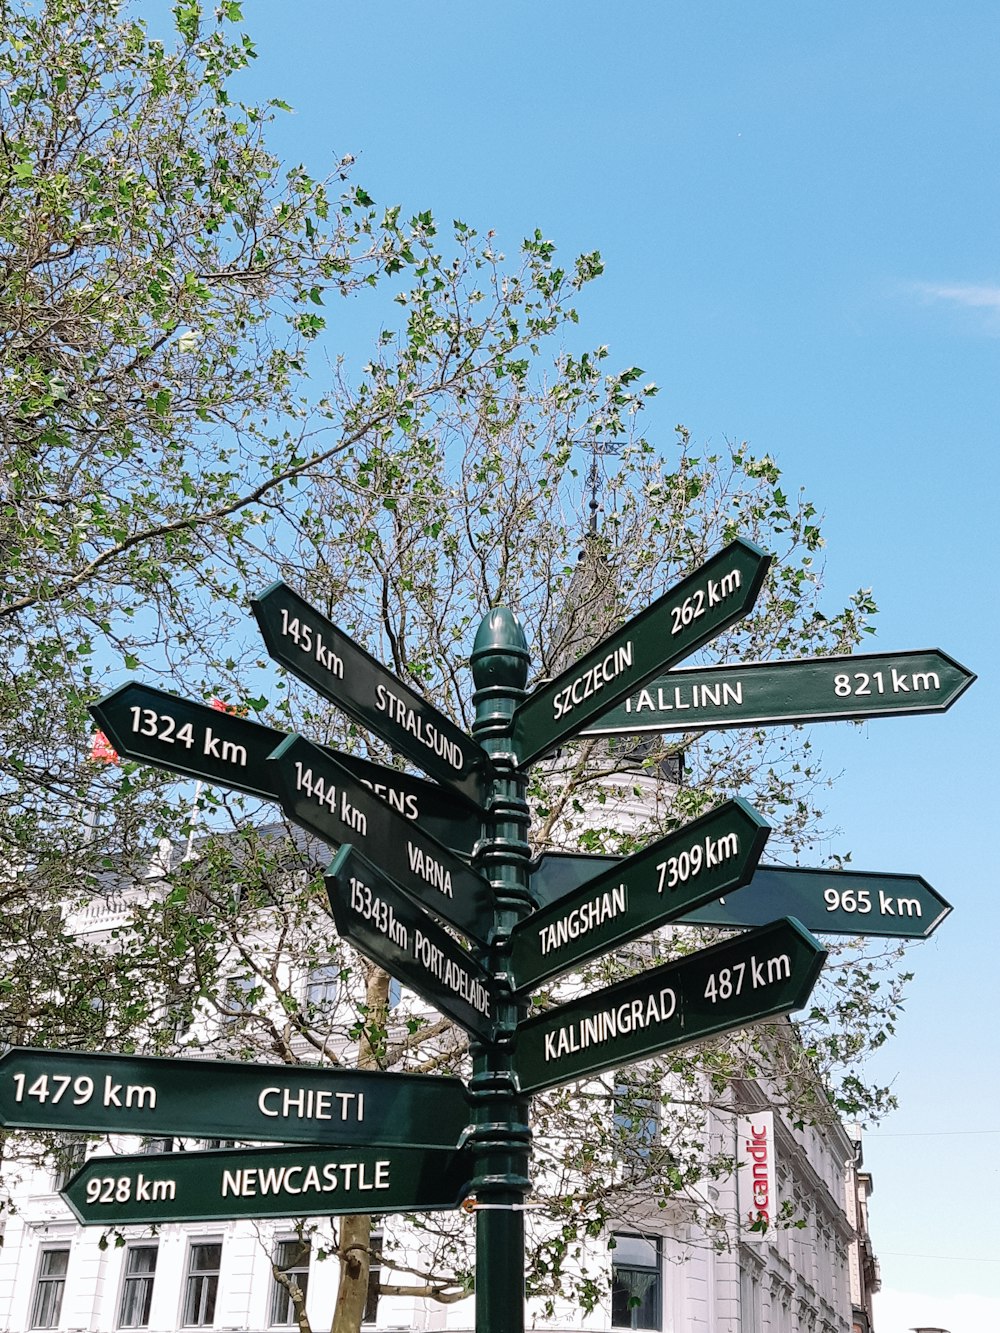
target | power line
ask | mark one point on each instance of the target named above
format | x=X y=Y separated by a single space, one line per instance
x=924 y=1133
x=948 y=1258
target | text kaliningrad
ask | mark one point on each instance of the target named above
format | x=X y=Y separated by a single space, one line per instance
x=619 y=1021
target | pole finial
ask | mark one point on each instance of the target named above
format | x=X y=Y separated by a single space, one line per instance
x=500 y=654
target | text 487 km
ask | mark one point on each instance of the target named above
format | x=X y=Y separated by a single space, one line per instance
x=751 y=975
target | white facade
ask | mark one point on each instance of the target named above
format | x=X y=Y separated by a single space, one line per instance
x=792 y=1280
x=795 y=1279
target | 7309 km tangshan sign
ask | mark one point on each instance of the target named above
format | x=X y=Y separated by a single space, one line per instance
x=432 y=878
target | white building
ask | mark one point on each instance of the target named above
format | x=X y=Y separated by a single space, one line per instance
x=662 y=1273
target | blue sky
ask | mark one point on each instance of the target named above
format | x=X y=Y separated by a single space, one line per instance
x=798 y=207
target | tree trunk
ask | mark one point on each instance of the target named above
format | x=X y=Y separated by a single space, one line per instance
x=354 y=1255
x=354 y=1250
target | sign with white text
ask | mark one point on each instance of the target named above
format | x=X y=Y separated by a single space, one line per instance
x=266 y=1182
x=807 y=689
x=759 y=975
x=304 y=641
x=832 y=902
x=373 y=914
x=320 y=794
x=718 y=594
x=217 y=745
x=98 y=1092
x=707 y=857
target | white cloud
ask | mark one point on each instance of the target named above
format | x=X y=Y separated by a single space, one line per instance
x=975 y=296
x=899 y=1311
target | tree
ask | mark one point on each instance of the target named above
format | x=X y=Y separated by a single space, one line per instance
x=163 y=278
x=165 y=456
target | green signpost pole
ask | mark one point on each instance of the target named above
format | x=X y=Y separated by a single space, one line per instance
x=500 y=1140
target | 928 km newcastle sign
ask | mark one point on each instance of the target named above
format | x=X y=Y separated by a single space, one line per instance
x=266 y=1182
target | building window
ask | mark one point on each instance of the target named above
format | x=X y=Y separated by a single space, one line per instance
x=750 y=1301
x=637 y=1122
x=323 y=985
x=636 y=1293
x=137 y=1287
x=374 y=1278
x=49 y=1285
x=70 y=1155
x=204 y=1264
x=151 y=1147
x=239 y=997
x=292 y=1259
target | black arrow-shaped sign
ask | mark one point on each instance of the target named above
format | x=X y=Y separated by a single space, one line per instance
x=806 y=689
x=382 y=923
x=722 y=591
x=761 y=974
x=218 y=746
x=321 y=795
x=311 y=646
x=706 y=858
x=833 y=902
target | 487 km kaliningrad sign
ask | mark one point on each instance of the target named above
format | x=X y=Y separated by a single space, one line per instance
x=761 y=974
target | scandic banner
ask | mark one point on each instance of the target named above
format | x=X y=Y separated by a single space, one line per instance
x=756 y=1184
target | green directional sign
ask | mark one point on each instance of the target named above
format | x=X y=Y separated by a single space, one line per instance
x=708 y=857
x=321 y=795
x=219 y=1099
x=809 y=689
x=305 y=642
x=267 y=1182
x=832 y=902
x=199 y=741
x=553 y=875
x=383 y=924
x=761 y=974
x=719 y=593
